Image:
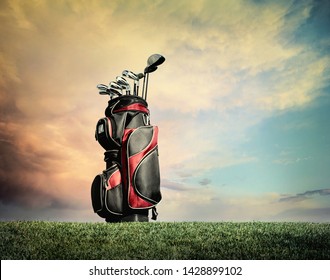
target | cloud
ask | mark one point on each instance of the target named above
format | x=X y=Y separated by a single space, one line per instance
x=18 y=165
x=306 y=195
x=296 y=85
x=18 y=212
x=43 y=162
x=238 y=52
x=37 y=174
x=171 y=185
x=205 y=182
x=290 y=160
x=206 y=204
x=254 y=69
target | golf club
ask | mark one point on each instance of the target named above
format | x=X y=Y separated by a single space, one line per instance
x=147 y=70
x=152 y=64
x=140 y=76
x=102 y=87
x=116 y=86
x=124 y=84
x=113 y=91
x=155 y=60
x=134 y=77
x=104 y=92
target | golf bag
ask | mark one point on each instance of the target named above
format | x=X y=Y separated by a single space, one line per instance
x=130 y=184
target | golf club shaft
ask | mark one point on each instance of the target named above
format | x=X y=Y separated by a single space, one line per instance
x=144 y=80
x=147 y=77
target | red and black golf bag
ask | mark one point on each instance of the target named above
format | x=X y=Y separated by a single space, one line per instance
x=130 y=185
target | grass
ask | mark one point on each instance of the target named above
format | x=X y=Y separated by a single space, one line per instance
x=185 y=241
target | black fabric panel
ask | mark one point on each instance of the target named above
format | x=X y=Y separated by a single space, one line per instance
x=135 y=120
x=112 y=156
x=96 y=192
x=140 y=139
x=114 y=200
x=118 y=129
x=98 y=195
x=146 y=179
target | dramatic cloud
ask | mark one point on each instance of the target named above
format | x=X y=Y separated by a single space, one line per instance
x=31 y=172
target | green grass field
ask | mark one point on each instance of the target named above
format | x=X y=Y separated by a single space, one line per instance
x=185 y=241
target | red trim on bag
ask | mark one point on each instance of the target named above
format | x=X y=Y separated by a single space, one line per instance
x=114 y=180
x=127 y=133
x=136 y=202
x=133 y=107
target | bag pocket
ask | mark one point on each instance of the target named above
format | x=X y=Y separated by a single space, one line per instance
x=104 y=134
x=107 y=193
x=143 y=168
x=97 y=195
x=113 y=190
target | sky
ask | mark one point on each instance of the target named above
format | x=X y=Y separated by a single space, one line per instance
x=242 y=104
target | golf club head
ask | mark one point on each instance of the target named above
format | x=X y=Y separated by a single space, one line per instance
x=150 y=69
x=155 y=60
x=115 y=85
x=114 y=92
x=102 y=87
x=104 y=92
x=132 y=75
x=124 y=84
x=140 y=75
x=121 y=81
